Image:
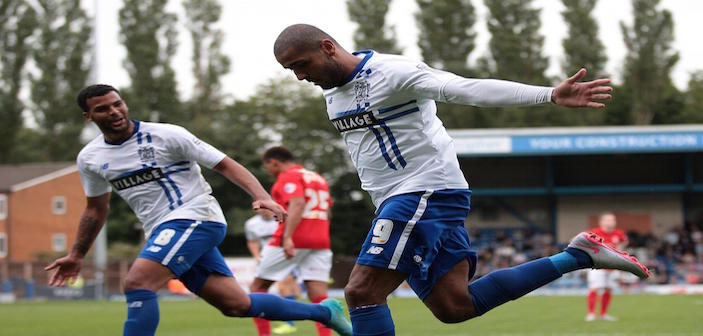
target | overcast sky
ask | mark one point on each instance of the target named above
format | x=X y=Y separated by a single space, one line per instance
x=251 y=26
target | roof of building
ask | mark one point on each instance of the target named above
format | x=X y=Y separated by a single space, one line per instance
x=578 y=140
x=19 y=176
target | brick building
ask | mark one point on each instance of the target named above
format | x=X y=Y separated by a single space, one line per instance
x=40 y=208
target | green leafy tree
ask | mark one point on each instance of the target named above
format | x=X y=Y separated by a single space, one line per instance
x=515 y=53
x=61 y=57
x=693 y=104
x=29 y=144
x=17 y=24
x=617 y=111
x=209 y=63
x=516 y=44
x=371 y=31
x=582 y=47
x=149 y=34
x=446 y=40
x=649 y=60
x=447 y=37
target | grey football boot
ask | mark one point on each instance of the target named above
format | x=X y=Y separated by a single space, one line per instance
x=606 y=257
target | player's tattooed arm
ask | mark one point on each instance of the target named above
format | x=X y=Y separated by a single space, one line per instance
x=91 y=222
x=87 y=231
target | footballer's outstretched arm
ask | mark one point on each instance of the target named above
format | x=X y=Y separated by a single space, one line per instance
x=450 y=88
x=492 y=92
x=92 y=221
x=243 y=178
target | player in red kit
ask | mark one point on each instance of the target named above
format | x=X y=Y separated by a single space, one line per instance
x=303 y=240
x=604 y=279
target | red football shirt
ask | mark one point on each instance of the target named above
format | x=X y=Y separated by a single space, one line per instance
x=613 y=239
x=313 y=232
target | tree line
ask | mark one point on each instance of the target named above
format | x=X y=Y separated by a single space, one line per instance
x=45 y=59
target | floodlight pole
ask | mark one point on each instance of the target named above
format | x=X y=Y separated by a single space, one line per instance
x=100 y=250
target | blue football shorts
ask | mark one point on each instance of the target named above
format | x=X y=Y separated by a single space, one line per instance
x=189 y=249
x=421 y=234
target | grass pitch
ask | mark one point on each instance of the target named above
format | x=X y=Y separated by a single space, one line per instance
x=638 y=315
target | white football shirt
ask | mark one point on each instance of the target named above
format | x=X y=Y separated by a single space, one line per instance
x=156 y=172
x=387 y=116
x=260 y=228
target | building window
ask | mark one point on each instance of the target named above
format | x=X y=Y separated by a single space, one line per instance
x=58 y=205
x=3 y=244
x=58 y=242
x=3 y=206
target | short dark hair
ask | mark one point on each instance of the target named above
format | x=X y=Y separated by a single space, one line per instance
x=95 y=90
x=279 y=153
x=302 y=37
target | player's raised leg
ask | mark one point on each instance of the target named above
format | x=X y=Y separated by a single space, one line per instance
x=453 y=300
x=586 y=250
x=225 y=294
x=212 y=280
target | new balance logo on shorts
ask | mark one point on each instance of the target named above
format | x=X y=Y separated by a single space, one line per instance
x=153 y=249
x=375 y=250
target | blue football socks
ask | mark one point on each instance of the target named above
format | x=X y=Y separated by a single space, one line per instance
x=142 y=313
x=372 y=320
x=501 y=286
x=274 y=307
x=570 y=260
x=290 y=297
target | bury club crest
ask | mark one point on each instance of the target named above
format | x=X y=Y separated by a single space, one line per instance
x=361 y=92
x=146 y=154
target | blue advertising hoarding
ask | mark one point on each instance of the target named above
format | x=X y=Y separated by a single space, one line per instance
x=606 y=143
x=561 y=143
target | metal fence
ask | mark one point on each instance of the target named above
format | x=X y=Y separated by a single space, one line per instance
x=29 y=281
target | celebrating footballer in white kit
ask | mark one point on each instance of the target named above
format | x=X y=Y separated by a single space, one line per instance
x=384 y=107
x=155 y=168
